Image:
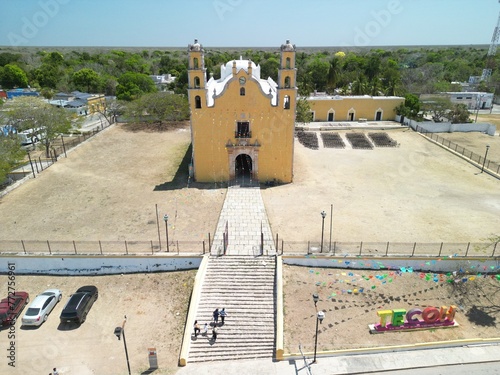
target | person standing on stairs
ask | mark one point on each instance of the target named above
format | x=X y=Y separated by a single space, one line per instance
x=222 y=315
x=196 y=328
x=216 y=316
x=214 y=334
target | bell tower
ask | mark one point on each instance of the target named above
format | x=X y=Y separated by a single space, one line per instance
x=196 y=76
x=287 y=77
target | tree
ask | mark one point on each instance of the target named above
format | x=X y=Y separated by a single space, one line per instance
x=437 y=107
x=303 y=112
x=334 y=72
x=28 y=112
x=11 y=154
x=132 y=85
x=86 y=80
x=318 y=70
x=13 y=76
x=159 y=107
x=459 y=114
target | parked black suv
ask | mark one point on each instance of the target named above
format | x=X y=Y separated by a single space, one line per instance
x=79 y=305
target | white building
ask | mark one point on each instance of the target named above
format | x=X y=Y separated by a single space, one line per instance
x=473 y=100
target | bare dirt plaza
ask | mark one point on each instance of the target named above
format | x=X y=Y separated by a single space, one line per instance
x=108 y=187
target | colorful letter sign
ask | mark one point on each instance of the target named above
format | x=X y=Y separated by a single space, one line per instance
x=400 y=319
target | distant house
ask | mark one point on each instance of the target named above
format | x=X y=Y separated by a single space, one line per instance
x=14 y=93
x=162 y=81
x=473 y=100
x=81 y=103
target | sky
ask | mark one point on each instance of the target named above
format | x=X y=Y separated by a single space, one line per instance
x=246 y=23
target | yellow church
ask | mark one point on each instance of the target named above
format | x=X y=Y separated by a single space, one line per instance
x=242 y=124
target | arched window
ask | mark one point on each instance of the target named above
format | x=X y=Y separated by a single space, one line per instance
x=197 y=102
x=288 y=63
x=286 y=102
x=195 y=63
x=197 y=82
x=242 y=91
x=287 y=82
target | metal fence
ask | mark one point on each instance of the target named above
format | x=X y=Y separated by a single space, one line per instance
x=58 y=148
x=487 y=163
x=102 y=247
x=438 y=249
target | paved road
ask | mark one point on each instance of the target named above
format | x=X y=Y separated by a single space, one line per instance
x=427 y=361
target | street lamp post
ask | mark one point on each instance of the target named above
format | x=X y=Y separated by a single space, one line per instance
x=323 y=215
x=485 y=155
x=320 y=315
x=119 y=332
x=165 y=218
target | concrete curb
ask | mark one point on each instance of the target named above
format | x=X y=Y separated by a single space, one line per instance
x=280 y=350
x=193 y=308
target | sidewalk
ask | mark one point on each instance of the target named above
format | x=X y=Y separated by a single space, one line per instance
x=353 y=364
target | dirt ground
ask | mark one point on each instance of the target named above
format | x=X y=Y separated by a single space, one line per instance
x=347 y=315
x=416 y=192
x=107 y=190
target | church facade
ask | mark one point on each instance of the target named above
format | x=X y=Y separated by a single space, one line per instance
x=242 y=124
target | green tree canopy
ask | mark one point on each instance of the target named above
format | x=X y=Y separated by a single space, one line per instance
x=13 y=76
x=437 y=107
x=27 y=112
x=132 y=85
x=11 y=154
x=86 y=80
x=303 y=112
x=159 y=107
x=459 y=114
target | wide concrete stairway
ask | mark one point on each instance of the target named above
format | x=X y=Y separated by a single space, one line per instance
x=242 y=281
x=244 y=286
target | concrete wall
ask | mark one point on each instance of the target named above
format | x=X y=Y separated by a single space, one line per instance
x=98 y=265
x=425 y=264
x=448 y=127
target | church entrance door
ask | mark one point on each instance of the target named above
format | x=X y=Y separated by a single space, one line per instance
x=243 y=166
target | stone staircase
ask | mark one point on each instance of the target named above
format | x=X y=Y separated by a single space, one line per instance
x=245 y=287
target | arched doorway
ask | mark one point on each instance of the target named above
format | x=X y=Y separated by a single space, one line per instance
x=243 y=166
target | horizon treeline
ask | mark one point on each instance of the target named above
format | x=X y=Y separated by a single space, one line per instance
x=365 y=71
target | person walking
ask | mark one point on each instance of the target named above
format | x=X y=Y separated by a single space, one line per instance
x=214 y=334
x=216 y=316
x=222 y=315
x=205 y=329
x=196 y=328
x=55 y=372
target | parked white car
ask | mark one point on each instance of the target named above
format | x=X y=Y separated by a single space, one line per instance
x=41 y=307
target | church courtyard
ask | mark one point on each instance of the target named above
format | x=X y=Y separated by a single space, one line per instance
x=107 y=189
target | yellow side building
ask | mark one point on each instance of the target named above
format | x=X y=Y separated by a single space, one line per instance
x=326 y=108
x=242 y=124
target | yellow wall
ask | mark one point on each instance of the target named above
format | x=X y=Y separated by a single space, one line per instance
x=364 y=107
x=96 y=103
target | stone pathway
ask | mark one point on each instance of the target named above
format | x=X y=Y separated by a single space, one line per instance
x=244 y=216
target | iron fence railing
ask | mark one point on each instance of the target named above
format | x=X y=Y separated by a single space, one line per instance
x=337 y=248
x=437 y=249
x=125 y=247
x=487 y=163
